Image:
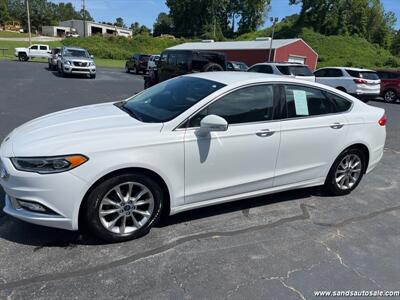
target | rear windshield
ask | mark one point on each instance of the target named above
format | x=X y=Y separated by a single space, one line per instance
x=295 y=70
x=363 y=74
x=144 y=57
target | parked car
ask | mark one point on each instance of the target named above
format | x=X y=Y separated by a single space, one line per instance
x=137 y=63
x=189 y=142
x=390 y=85
x=361 y=83
x=76 y=61
x=152 y=63
x=34 y=51
x=236 y=66
x=54 y=57
x=293 y=70
x=173 y=63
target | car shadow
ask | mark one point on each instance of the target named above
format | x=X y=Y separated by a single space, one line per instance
x=74 y=76
x=16 y=231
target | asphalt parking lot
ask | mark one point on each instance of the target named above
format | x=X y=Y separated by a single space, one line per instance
x=283 y=246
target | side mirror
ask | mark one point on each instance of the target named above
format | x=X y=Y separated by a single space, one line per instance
x=91 y=56
x=213 y=123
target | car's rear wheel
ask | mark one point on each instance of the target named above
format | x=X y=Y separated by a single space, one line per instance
x=124 y=207
x=127 y=70
x=346 y=172
x=390 y=96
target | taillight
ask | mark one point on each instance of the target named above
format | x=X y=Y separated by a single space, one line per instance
x=360 y=81
x=382 y=121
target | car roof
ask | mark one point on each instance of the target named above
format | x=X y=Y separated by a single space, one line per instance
x=348 y=68
x=230 y=78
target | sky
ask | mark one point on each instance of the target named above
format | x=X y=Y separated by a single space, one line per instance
x=146 y=11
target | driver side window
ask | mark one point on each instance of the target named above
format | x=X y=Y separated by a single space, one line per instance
x=247 y=105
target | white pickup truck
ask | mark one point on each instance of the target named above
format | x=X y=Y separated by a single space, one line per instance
x=34 y=51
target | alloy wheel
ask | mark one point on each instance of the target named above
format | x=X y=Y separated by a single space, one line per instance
x=348 y=172
x=126 y=208
x=390 y=96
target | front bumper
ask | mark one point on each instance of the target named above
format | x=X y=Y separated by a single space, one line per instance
x=70 y=69
x=61 y=193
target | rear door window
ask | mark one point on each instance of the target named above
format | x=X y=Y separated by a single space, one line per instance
x=303 y=102
x=43 y=48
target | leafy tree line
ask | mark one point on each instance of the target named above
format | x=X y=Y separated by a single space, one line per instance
x=42 y=12
x=363 y=18
x=211 y=18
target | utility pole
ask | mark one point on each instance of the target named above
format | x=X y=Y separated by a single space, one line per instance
x=84 y=18
x=274 y=21
x=29 y=22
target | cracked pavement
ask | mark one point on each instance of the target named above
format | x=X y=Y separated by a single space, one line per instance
x=282 y=246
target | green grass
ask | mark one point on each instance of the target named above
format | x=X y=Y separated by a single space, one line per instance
x=122 y=48
x=13 y=34
x=336 y=50
x=109 y=63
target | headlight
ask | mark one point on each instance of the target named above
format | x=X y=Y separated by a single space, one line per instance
x=48 y=165
x=67 y=62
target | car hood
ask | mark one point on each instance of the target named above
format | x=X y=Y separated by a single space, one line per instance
x=79 y=130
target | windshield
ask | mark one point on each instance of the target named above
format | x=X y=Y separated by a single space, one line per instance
x=167 y=100
x=295 y=70
x=76 y=53
x=363 y=74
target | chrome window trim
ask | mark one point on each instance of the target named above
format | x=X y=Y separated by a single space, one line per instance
x=178 y=128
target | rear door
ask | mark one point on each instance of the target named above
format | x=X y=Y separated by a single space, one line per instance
x=312 y=135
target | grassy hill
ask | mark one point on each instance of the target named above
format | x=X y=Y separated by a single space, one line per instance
x=336 y=50
x=332 y=50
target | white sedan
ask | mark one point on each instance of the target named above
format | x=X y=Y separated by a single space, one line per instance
x=189 y=142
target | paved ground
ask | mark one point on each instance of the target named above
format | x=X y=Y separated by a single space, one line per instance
x=282 y=246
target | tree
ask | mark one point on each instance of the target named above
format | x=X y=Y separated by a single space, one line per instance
x=163 y=25
x=396 y=43
x=195 y=18
x=119 y=22
x=364 y=18
x=4 y=16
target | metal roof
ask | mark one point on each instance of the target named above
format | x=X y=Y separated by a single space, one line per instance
x=237 y=45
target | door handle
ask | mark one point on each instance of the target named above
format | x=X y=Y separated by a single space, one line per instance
x=265 y=133
x=337 y=125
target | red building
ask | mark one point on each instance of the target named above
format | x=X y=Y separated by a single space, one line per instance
x=252 y=52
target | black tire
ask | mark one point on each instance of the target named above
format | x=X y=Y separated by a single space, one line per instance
x=96 y=196
x=137 y=71
x=22 y=56
x=331 y=186
x=93 y=76
x=212 y=67
x=390 y=96
x=340 y=88
x=127 y=70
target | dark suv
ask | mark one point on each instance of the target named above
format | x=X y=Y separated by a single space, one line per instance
x=174 y=63
x=390 y=85
x=137 y=63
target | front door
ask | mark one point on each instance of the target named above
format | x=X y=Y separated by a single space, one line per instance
x=312 y=136
x=240 y=160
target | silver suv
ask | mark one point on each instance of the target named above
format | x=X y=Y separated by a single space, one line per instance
x=76 y=61
x=288 y=69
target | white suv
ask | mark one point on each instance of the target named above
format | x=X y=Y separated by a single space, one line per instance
x=293 y=70
x=361 y=83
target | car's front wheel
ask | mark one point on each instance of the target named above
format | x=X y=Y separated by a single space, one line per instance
x=124 y=207
x=346 y=172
